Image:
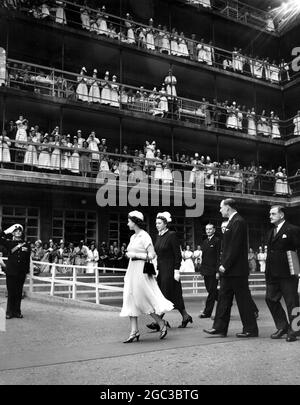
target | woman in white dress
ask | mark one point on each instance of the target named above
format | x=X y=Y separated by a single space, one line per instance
x=150 y=154
x=130 y=29
x=232 y=120
x=174 y=42
x=55 y=159
x=66 y=157
x=258 y=68
x=102 y=22
x=92 y=259
x=21 y=135
x=281 y=184
x=141 y=293
x=261 y=257
x=274 y=73
x=44 y=156
x=150 y=36
x=31 y=157
x=75 y=158
x=171 y=81
x=82 y=89
x=251 y=122
x=275 y=130
x=165 y=41
x=209 y=173
x=85 y=18
x=182 y=47
x=201 y=51
x=158 y=174
x=167 y=172
x=210 y=54
x=163 y=102
x=114 y=93
x=188 y=264
x=4 y=148
x=103 y=167
x=106 y=90
x=296 y=122
x=60 y=15
x=94 y=92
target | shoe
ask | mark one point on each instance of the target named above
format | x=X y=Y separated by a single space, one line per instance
x=215 y=332
x=291 y=337
x=135 y=335
x=203 y=315
x=9 y=316
x=153 y=326
x=163 y=331
x=247 y=334
x=185 y=322
x=20 y=316
x=278 y=334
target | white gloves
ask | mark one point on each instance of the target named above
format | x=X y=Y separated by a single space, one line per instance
x=11 y=229
x=177 y=275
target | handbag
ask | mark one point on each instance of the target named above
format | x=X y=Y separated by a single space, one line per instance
x=149 y=268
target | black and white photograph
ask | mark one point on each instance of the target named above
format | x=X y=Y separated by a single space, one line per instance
x=149 y=195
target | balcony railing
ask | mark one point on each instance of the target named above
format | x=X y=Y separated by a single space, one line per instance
x=162 y=103
x=127 y=31
x=59 y=155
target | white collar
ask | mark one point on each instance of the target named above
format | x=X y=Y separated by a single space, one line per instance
x=280 y=226
x=163 y=232
x=232 y=215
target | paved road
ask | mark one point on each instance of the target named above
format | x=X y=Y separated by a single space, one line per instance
x=57 y=344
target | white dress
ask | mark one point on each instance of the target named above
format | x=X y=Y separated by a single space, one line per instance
x=150 y=40
x=275 y=129
x=141 y=293
x=182 y=48
x=201 y=53
x=114 y=95
x=82 y=89
x=187 y=265
x=106 y=94
x=92 y=261
x=60 y=16
x=158 y=174
x=4 y=149
x=165 y=46
x=251 y=124
x=170 y=82
x=74 y=161
x=85 y=20
x=30 y=157
x=21 y=134
x=296 y=122
x=281 y=184
x=94 y=92
x=44 y=158
x=232 y=121
x=55 y=159
x=167 y=173
x=102 y=26
x=261 y=257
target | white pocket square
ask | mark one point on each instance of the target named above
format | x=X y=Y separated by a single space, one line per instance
x=284 y=236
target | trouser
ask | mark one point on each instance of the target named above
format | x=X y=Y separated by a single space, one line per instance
x=288 y=289
x=14 y=286
x=211 y=285
x=237 y=287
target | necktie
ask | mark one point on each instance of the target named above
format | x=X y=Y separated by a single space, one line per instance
x=275 y=231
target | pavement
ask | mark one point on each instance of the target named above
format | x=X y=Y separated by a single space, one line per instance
x=58 y=344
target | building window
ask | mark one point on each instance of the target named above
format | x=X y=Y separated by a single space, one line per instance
x=118 y=230
x=74 y=225
x=29 y=218
x=184 y=228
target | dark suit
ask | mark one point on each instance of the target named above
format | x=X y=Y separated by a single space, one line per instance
x=210 y=262
x=279 y=282
x=17 y=266
x=234 y=282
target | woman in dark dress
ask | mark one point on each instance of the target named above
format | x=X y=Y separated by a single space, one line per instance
x=169 y=258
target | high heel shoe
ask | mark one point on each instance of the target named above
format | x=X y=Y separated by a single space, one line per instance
x=163 y=330
x=186 y=321
x=133 y=336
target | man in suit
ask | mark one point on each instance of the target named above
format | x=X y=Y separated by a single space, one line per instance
x=17 y=266
x=279 y=281
x=234 y=272
x=210 y=262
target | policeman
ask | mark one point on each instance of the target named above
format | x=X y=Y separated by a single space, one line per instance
x=17 y=266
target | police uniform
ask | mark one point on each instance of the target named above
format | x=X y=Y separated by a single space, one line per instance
x=17 y=266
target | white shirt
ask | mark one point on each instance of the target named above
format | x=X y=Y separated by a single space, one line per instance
x=278 y=227
x=232 y=215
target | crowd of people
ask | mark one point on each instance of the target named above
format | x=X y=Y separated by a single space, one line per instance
x=160 y=39
x=25 y=147
x=160 y=102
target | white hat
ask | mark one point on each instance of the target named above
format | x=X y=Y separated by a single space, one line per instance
x=18 y=226
x=95 y=71
x=83 y=68
x=136 y=214
x=196 y=154
x=114 y=77
x=166 y=215
x=107 y=73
